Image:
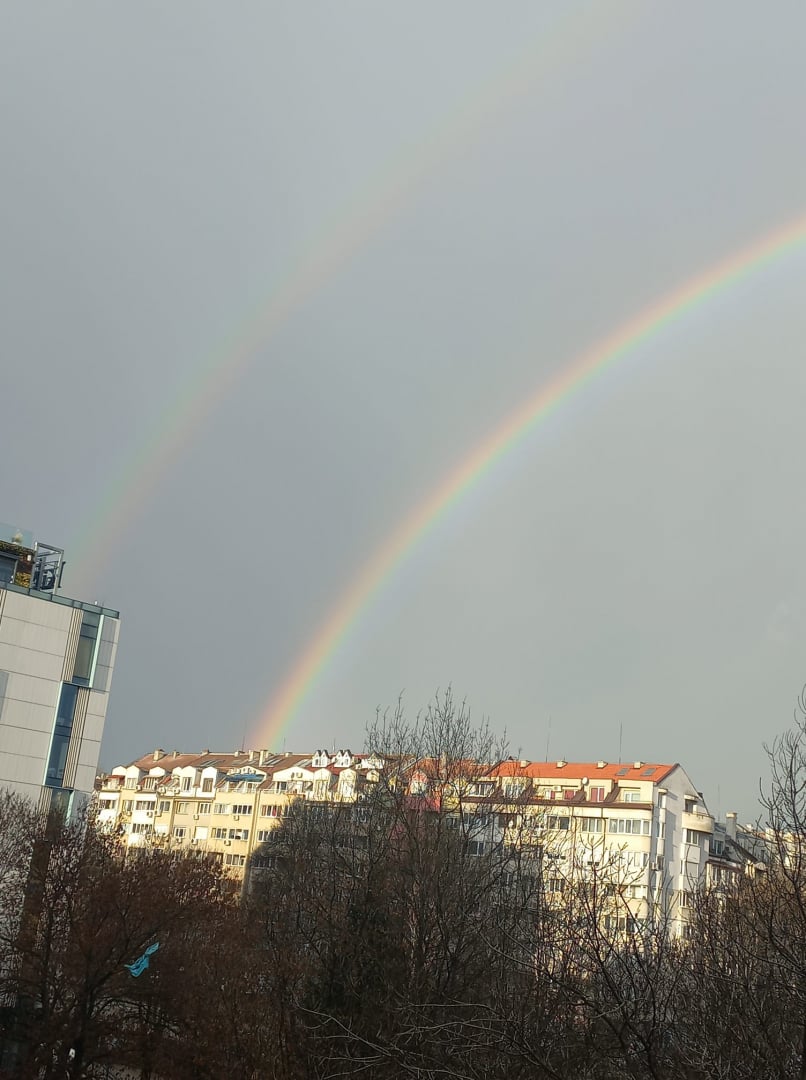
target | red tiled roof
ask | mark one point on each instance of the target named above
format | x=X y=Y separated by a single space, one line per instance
x=577 y=770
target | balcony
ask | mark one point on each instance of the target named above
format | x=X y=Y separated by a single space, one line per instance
x=698 y=821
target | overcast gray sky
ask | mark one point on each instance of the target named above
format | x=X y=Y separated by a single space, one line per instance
x=464 y=196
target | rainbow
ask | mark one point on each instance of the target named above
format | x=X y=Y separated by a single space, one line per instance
x=183 y=414
x=579 y=373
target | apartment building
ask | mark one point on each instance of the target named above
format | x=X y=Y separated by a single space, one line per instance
x=56 y=660
x=641 y=828
x=224 y=804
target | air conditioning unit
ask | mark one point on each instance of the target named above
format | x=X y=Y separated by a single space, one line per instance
x=227 y=843
x=195 y=817
x=236 y=817
x=194 y=841
x=149 y=813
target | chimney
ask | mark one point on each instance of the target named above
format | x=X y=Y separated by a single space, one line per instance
x=561 y=763
x=730 y=824
x=523 y=763
x=158 y=753
x=252 y=756
x=600 y=764
x=638 y=764
x=176 y=753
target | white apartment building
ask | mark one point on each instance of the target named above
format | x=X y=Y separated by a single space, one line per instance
x=56 y=661
x=642 y=827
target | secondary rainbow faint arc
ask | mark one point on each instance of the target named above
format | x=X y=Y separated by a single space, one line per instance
x=185 y=412
x=593 y=362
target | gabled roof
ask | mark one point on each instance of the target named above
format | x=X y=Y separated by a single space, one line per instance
x=175 y=760
x=629 y=772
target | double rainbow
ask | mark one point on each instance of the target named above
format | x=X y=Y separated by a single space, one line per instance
x=323 y=647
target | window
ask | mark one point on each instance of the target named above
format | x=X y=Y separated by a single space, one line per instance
x=219 y=834
x=238 y=834
x=141 y=827
x=263 y=835
x=717 y=847
x=569 y=793
x=621 y=924
x=131 y=782
x=636 y=892
x=690 y=806
x=207 y=783
x=183 y=808
x=87 y=643
x=630 y=794
x=660 y=829
x=221 y=808
x=164 y=806
x=180 y=832
x=242 y=808
x=474 y=847
x=555 y=885
x=203 y=808
x=234 y=860
x=143 y=804
x=692 y=837
x=685 y=898
x=596 y=794
x=62 y=730
x=513 y=789
x=558 y=824
x=632 y=826
x=127 y=806
x=591 y=824
x=273 y=810
x=150 y=783
x=186 y=783
x=636 y=860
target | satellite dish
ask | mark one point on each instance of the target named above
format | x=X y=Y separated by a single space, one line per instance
x=585 y=781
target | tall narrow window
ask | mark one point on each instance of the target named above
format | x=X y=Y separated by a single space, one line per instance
x=87 y=643
x=62 y=731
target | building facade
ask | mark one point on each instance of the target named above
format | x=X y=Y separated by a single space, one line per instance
x=56 y=661
x=640 y=829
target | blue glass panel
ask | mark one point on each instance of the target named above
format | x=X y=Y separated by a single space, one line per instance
x=62 y=731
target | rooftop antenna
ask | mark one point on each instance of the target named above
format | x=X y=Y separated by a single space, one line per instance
x=548 y=739
x=620 y=733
